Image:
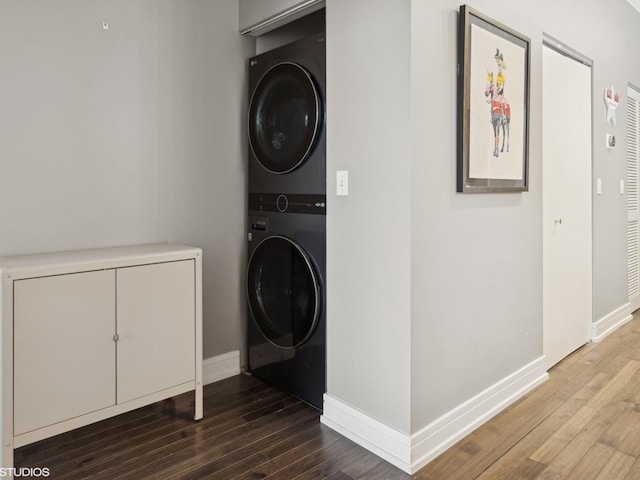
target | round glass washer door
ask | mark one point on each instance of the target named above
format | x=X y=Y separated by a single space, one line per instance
x=285 y=115
x=283 y=292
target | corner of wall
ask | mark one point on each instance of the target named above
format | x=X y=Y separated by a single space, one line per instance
x=412 y=452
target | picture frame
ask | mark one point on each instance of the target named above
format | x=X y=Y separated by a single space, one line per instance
x=494 y=63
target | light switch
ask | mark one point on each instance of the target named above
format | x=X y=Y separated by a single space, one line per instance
x=342 y=183
x=599 y=186
x=621 y=187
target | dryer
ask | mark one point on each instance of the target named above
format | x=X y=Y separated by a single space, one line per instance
x=286 y=121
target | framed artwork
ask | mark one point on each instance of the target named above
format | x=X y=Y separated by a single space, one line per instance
x=493 y=106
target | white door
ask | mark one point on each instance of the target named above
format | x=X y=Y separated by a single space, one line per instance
x=567 y=180
x=633 y=234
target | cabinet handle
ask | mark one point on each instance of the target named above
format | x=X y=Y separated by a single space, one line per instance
x=116 y=337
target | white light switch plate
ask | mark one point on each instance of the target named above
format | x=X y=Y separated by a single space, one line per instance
x=342 y=183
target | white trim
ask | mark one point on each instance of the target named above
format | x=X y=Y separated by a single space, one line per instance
x=410 y=453
x=611 y=322
x=565 y=50
x=279 y=19
x=220 y=367
x=436 y=437
x=389 y=444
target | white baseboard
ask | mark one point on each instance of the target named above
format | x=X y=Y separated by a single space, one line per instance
x=439 y=435
x=410 y=453
x=220 y=367
x=610 y=323
x=386 y=442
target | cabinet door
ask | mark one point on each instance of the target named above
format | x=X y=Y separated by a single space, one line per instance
x=64 y=353
x=156 y=328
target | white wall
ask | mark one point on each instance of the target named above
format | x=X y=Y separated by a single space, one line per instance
x=368 y=232
x=133 y=134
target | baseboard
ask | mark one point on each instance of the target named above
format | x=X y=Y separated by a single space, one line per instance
x=436 y=437
x=610 y=323
x=410 y=453
x=220 y=367
x=386 y=442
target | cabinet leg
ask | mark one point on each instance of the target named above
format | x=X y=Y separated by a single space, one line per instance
x=7 y=458
x=198 y=402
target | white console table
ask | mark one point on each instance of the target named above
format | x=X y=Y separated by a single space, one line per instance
x=90 y=334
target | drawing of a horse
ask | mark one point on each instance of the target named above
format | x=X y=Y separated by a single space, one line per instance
x=500 y=113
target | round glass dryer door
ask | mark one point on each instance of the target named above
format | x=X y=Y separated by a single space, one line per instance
x=283 y=292
x=285 y=115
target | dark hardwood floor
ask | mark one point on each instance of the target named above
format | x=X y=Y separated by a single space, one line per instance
x=249 y=431
x=583 y=423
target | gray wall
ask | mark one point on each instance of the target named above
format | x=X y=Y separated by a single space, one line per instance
x=476 y=303
x=368 y=232
x=472 y=264
x=477 y=259
x=130 y=135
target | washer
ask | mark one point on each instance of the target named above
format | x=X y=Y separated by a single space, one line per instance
x=286 y=121
x=286 y=300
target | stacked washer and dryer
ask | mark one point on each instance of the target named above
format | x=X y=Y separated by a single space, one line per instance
x=286 y=324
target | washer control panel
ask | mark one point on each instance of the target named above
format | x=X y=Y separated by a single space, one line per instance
x=291 y=203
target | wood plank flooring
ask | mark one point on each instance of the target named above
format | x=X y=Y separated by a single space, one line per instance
x=582 y=424
x=249 y=431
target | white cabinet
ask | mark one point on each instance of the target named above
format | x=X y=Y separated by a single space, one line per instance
x=260 y=16
x=91 y=334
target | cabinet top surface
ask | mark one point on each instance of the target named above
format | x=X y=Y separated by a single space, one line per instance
x=98 y=258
